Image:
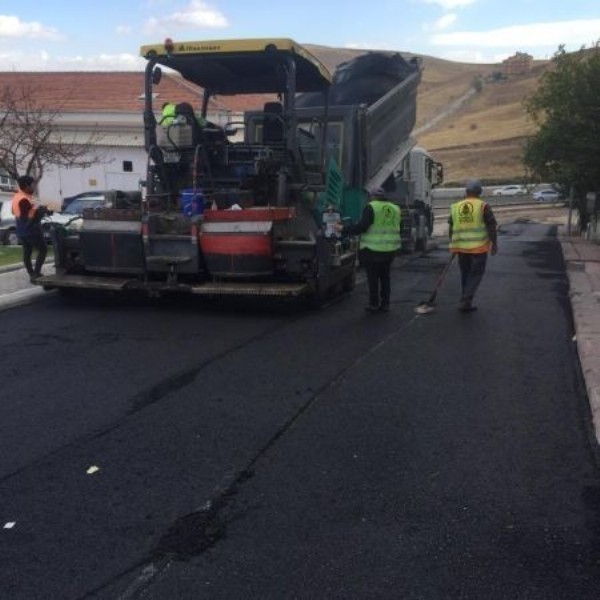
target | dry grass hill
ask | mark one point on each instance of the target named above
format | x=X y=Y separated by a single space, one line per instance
x=483 y=136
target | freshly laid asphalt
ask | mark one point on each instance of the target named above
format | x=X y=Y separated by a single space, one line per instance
x=413 y=482
x=582 y=262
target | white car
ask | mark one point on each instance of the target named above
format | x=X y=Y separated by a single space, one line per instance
x=8 y=226
x=71 y=216
x=511 y=190
x=548 y=195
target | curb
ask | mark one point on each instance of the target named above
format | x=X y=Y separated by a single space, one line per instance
x=21 y=298
x=584 y=297
x=9 y=268
x=19 y=265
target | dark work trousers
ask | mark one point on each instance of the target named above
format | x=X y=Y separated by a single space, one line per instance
x=472 y=268
x=34 y=240
x=378 y=266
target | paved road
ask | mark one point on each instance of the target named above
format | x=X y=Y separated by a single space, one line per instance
x=292 y=454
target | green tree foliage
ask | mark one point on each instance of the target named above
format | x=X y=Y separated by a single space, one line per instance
x=566 y=108
x=477 y=84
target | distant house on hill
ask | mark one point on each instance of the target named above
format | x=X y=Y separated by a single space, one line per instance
x=112 y=103
x=518 y=64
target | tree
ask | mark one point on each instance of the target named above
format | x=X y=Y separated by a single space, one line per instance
x=566 y=108
x=31 y=137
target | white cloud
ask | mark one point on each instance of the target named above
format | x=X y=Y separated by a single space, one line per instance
x=13 y=27
x=470 y=56
x=196 y=14
x=450 y=4
x=572 y=33
x=442 y=23
x=43 y=61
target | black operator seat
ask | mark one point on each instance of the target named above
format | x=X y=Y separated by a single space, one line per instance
x=273 y=123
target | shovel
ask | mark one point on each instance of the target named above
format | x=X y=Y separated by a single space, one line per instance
x=428 y=306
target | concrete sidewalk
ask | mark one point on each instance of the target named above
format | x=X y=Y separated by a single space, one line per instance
x=582 y=259
x=16 y=289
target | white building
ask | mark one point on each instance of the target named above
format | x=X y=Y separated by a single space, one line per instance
x=111 y=104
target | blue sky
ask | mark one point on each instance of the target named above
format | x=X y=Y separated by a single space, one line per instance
x=56 y=35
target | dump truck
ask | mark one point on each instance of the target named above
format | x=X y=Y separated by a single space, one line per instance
x=411 y=186
x=371 y=116
x=243 y=215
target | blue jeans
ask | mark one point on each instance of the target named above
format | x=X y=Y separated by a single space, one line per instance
x=472 y=268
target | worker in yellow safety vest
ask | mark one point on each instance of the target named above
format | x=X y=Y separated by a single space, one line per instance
x=379 y=230
x=169 y=112
x=473 y=233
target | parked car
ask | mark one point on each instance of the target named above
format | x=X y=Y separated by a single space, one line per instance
x=547 y=195
x=71 y=216
x=8 y=226
x=511 y=190
x=92 y=194
x=114 y=198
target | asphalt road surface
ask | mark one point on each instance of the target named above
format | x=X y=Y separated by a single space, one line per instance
x=166 y=451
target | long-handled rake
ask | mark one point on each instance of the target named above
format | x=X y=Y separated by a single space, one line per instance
x=428 y=306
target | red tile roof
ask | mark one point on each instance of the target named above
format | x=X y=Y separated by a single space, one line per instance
x=116 y=91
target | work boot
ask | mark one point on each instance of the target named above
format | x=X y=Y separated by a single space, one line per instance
x=372 y=308
x=35 y=276
x=466 y=305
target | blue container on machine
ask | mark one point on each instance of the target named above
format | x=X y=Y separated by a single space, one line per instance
x=192 y=202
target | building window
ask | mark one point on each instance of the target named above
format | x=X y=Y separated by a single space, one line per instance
x=128 y=166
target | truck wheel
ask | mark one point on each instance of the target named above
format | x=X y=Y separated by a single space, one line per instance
x=430 y=218
x=349 y=282
x=421 y=244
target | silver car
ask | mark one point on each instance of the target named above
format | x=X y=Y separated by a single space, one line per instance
x=8 y=226
x=71 y=215
x=548 y=195
x=511 y=190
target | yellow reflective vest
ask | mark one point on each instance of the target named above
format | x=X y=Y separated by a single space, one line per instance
x=168 y=114
x=469 y=233
x=384 y=233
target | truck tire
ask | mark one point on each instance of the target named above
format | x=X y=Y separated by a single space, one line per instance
x=430 y=219
x=349 y=282
x=421 y=233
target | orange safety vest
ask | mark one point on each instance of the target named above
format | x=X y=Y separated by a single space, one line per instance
x=16 y=199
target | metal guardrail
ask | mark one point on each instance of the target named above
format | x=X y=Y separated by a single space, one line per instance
x=451 y=196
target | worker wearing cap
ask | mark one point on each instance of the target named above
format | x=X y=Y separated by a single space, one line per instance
x=472 y=234
x=379 y=230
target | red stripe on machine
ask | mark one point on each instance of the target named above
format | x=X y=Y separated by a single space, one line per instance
x=248 y=245
x=251 y=214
